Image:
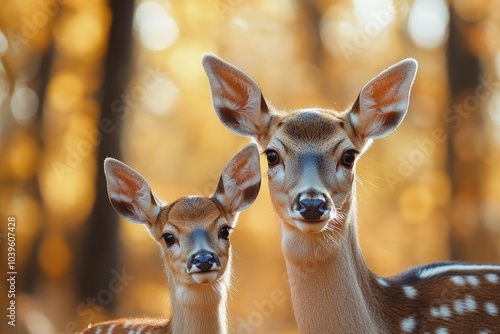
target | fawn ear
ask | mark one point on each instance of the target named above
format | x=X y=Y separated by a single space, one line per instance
x=237 y=98
x=239 y=183
x=130 y=194
x=383 y=102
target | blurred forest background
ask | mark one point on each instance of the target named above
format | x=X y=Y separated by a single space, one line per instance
x=81 y=80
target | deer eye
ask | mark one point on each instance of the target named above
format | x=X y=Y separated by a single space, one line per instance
x=169 y=239
x=348 y=158
x=224 y=232
x=273 y=157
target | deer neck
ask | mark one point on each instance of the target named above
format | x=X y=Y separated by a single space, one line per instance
x=331 y=286
x=200 y=309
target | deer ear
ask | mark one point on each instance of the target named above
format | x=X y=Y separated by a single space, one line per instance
x=383 y=102
x=130 y=194
x=237 y=98
x=240 y=181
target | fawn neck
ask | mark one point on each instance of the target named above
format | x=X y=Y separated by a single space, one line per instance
x=330 y=277
x=200 y=308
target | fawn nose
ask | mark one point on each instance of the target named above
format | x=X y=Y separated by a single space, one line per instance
x=204 y=260
x=311 y=205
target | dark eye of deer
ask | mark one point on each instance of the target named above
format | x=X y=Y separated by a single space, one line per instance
x=224 y=232
x=348 y=158
x=273 y=157
x=169 y=239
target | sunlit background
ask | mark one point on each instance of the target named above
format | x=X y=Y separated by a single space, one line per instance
x=82 y=80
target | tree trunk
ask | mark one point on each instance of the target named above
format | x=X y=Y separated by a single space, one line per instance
x=469 y=240
x=101 y=237
x=32 y=268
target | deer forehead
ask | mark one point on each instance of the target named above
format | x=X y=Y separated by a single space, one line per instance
x=191 y=213
x=312 y=131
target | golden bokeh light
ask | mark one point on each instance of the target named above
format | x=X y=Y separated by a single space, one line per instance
x=83 y=33
x=425 y=191
x=67 y=186
x=65 y=90
x=22 y=156
x=415 y=203
x=54 y=256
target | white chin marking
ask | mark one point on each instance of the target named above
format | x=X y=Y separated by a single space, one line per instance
x=310 y=227
x=205 y=277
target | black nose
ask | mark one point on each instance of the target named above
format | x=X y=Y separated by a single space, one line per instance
x=203 y=260
x=311 y=208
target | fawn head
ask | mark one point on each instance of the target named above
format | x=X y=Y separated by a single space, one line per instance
x=193 y=231
x=311 y=152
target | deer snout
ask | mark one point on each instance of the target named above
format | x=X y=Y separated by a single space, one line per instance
x=312 y=206
x=203 y=261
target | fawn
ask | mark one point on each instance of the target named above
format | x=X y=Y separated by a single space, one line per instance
x=311 y=155
x=193 y=234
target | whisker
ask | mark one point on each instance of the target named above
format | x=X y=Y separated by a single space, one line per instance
x=366 y=180
x=332 y=231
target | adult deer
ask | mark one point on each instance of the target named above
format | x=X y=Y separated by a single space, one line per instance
x=312 y=155
x=193 y=234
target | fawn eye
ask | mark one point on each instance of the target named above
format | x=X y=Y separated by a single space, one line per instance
x=348 y=158
x=169 y=239
x=224 y=232
x=273 y=157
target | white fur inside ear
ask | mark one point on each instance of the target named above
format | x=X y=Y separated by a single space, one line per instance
x=354 y=119
x=145 y=203
x=368 y=100
x=234 y=191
